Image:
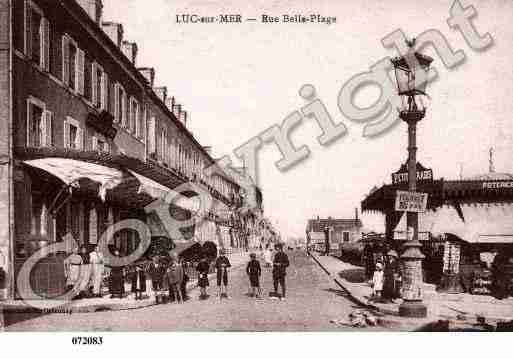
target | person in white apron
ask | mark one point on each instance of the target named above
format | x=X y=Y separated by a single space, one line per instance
x=72 y=266
x=97 y=267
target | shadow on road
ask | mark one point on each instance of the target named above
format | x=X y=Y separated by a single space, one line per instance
x=353 y=275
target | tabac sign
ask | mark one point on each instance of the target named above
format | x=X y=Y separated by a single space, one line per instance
x=423 y=174
x=410 y=201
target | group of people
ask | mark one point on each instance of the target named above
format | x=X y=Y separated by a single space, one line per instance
x=386 y=278
x=84 y=271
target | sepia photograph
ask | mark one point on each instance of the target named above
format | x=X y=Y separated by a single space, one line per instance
x=267 y=166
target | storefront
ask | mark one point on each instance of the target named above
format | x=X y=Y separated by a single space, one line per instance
x=468 y=224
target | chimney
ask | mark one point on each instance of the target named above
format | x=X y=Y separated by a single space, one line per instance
x=130 y=50
x=161 y=93
x=94 y=9
x=170 y=103
x=356 y=214
x=149 y=74
x=183 y=118
x=176 y=110
x=114 y=30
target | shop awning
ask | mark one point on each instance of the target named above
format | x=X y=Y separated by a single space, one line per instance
x=158 y=191
x=71 y=171
x=483 y=223
x=426 y=223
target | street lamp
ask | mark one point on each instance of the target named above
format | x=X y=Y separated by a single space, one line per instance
x=411 y=74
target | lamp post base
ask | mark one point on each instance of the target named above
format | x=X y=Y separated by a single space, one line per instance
x=413 y=309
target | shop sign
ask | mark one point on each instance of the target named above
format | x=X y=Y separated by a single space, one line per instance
x=410 y=201
x=451 y=258
x=497 y=185
x=423 y=174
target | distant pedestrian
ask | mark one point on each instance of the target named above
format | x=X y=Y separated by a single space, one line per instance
x=268 y=256
x=280 y=264
x=174 y=278
x=72 y=269
x=203 y=268
x=377 y=282
x=254 y=272
x=392 y=277
x=222 y=264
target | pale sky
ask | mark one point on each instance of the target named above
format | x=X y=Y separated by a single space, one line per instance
x=236 y=80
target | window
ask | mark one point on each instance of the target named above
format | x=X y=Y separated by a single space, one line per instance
x=73 y=135
x=100 y=144
x=120 y=104
x=345 y=236
x=99 y=87
x=39 y=124
x=37 y=36
x=163 y=146
x=134 y=124
x=73 y=60
x=152 y=136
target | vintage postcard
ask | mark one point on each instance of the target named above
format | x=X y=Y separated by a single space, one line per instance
x=263 y=166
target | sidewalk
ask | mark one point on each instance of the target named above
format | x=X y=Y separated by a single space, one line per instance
x=440 y=306
x=89 y=305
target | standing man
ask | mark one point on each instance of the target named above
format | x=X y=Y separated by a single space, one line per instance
x=222 y=264
x=97 y=266
x=280 y=264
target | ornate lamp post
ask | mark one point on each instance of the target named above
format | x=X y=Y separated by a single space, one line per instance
x=411 y=75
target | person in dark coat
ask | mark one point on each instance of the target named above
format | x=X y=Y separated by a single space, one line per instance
x=183 y=285
x=254 y=272
x=138 y=279
x=391 y=277
x=117 y=280
x=222 y=264
x=157 y=271
x=203 y=268
x=174 y=278
x=280 y=264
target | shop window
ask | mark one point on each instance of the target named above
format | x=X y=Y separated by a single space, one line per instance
x=39 y=124
x=73 y=62
x=37 y=36
x=73 y=134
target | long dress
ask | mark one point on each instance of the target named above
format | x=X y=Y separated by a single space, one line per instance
x=72 y=266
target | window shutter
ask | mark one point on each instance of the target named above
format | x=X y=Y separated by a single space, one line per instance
x=28 y=29
x=123 y=108
x=116 y=102
x=46 y=44
x=151 y=135
x=66 y=134
x=95 y=143
x=48 y=128
x=29 y=119
x=105 y=87
x=80 y=71
x=94 y=80
x=65 y=60
x=80 y=139
x=131 y=115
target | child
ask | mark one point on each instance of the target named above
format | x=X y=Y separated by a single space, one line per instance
x=222 y=264
x=138 y=282
x=202 y=268
x=174 y=277
x=254 y=272
x=377 y=282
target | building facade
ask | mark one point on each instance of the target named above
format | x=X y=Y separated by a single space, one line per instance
x=87 y=140
x=335 y=230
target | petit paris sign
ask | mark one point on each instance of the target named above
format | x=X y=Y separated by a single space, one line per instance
x=423 y=174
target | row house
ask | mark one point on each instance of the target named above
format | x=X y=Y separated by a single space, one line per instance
x=88 y=141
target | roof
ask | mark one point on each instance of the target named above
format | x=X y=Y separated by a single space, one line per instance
x=493 y=176
x=318 y=225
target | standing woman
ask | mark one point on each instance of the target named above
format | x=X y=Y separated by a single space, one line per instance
x=72 y=269
x=85 y=273
x=117 y=280
x=138 y=280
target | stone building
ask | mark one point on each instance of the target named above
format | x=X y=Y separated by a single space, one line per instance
x=87 y=140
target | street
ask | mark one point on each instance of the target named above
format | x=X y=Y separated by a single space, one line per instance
x=313 y=299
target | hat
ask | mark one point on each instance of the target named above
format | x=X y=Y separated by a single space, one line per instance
x=392 y=253
x=252 y=255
